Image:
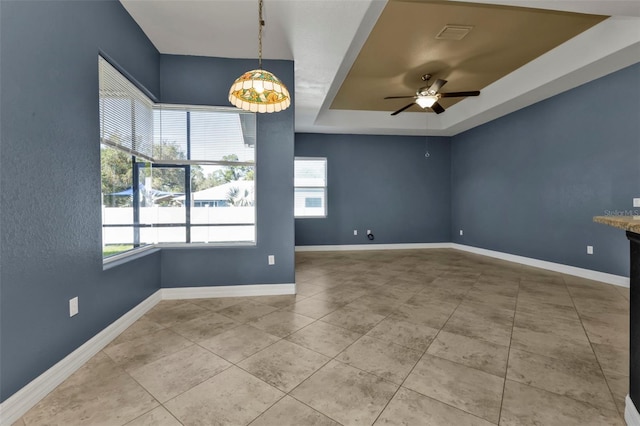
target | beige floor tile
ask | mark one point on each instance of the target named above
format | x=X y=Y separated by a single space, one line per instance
x=290 y=412
x=526 y=405
x=433 y=315
x=551 y=344
x=315 y=307
x=411 y=408
x=619 y=386
x=576 y=379
x=490 y=298
x=279 y=301
x=99 y=393
x=354 y=319
x=233 y=397
x=307 y=289
x=135 y=353
x=476 y=353
x=168 y=315
x=204 y=327
x=18 y=422
x=345 y=394
x=607 y=328
x=612 y=358
x=492 y=325
x=387 y=360
x=239 y=343
x=178 y=372
x=404 y=333
x=140 y=328
x=565 y=328
x=468 y=389
x=156 y=417
x=281 y=323
x=284 y=364
x=217 y=303
x=324 y=338
x=247 y=311
x=548 y=310
x=375 y=304
x=624 y=291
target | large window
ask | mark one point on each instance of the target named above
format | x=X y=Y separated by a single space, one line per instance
x=310 y=181
x=173 y=173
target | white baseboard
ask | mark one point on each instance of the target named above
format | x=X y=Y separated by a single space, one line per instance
x=22 y=401
x=551 y=266
x=227 y=291
x=357 y=247
x=631 y=415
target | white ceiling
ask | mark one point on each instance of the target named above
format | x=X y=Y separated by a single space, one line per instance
x=324 y=37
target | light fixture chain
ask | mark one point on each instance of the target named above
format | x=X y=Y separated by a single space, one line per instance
x=260 y=25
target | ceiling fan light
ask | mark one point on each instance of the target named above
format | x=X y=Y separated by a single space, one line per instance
x=426 y=101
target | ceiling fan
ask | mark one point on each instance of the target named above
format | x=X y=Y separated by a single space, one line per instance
x=428 y=96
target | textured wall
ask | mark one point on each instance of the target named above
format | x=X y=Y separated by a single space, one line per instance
x=382 y=183
x=530 y=183
x=200 y=80
x=50 y=181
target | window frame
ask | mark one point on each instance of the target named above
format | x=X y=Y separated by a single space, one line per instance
x=137 y=160
x=324 y=188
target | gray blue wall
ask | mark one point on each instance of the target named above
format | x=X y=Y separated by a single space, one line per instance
x=530 y=183
x=50 y=181
x=196 y=80
x=381 y=183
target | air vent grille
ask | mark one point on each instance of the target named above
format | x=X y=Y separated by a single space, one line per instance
x=454 y=32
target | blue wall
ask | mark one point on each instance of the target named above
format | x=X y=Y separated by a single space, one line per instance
x=50 y=181
x=196 y=80
x=530 y=183
x=381 y=183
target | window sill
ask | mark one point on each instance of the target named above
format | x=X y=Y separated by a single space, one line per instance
x=204 y=245
x=122 y=258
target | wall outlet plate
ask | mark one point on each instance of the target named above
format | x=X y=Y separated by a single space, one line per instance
x=355 y=232
x=73 y=306
x=461 y=232
x=589 y=249
x=636 y=202
x=272 y=259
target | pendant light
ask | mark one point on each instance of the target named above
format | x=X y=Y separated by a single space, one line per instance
x=259 y=90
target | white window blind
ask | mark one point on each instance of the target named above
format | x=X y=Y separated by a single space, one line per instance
x=212 y=135
x=126 y=114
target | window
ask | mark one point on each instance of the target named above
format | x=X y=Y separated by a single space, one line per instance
x=172 y=173
x=310 y=181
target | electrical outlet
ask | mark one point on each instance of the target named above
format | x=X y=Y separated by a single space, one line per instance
x=636 y=202
x=73 y=306
x=461 y=232
x=355 y=232
x=272 y=259
x=589 y=249
x=368 y=231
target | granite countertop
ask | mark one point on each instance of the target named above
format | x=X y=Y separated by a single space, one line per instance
x=628 y=223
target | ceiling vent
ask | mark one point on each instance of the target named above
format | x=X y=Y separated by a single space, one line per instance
x=453 y=32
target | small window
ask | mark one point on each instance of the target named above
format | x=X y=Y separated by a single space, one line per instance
x=310 y=181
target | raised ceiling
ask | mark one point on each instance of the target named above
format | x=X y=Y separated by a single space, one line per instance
x=328 y=39
x=403 y=46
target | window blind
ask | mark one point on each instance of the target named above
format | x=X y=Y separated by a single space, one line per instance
x=126 y=114
x=204 y=135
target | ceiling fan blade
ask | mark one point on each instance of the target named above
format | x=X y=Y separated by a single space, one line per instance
x=400 y=97
x=436 y=86
x=459 y=94
x=437 y=108
x=403 y=108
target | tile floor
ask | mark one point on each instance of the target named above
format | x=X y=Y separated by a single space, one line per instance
x=416 y=337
